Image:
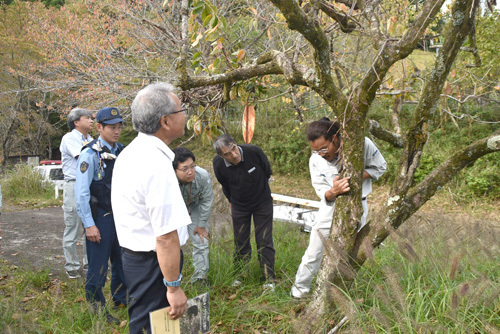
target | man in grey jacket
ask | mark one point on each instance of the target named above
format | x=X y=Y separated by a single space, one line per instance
x=196 y=189
x=325 y=140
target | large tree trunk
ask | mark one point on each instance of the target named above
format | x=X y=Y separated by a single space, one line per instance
x=346 y=249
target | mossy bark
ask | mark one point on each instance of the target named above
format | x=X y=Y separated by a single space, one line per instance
x=346 y=249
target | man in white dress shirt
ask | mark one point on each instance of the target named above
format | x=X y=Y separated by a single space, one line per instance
x=325 y=140
x=150 y=215
x=81 y=124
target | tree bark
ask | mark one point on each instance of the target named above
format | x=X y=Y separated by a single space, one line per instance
x=342 y=260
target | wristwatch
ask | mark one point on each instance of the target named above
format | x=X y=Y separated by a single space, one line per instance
x=173 y=283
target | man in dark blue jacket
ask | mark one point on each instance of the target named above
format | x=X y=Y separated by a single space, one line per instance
x=93 y=204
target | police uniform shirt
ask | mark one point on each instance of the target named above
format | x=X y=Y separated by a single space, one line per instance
x=87 y=171
x=145 y=195
x=71 y=146
x=323 y=172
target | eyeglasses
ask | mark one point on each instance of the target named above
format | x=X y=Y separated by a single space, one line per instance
x=322 y=151
x=184 y=110
x=325 y=149
x=187 y=169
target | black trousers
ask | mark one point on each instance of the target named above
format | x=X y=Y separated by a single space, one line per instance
x=263 y=224
x=145 y=286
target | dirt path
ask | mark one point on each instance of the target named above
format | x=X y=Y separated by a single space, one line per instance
x=33 y=238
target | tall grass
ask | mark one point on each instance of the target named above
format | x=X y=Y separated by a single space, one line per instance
x=23 y=186
x=431 y=276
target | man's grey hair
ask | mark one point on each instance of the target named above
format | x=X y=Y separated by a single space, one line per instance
x=224 y=140
x=151 y=103
x=75 y=115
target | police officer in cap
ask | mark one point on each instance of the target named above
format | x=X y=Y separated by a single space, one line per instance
x=93 y=201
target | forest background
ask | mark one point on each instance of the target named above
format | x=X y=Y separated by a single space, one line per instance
x=385 y=69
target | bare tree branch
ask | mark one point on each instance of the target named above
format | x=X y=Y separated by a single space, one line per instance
x=400 y=209
x=379 y=132
x=417 y=134
x=345 y=24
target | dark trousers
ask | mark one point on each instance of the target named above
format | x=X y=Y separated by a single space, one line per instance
x=263 y=224
x=98 y=255
x=146 y=289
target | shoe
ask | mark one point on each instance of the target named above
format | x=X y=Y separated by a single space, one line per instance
x=73 y=274
x=268 y=287
x=119 y=306
x=112 y=320
x=236 y=283
x=85 y=267
x=297 y=294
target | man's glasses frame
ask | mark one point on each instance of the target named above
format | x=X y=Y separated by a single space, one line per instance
x=184 y=110
x=188 y=168
x=322 y=151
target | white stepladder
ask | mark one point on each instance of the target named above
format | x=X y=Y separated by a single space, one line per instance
x=295 y=210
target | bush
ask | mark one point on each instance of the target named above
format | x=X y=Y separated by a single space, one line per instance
x=288 y=150
x=22 y=183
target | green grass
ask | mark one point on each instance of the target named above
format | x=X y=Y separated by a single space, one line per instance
x=430 y=277
x=24 y=187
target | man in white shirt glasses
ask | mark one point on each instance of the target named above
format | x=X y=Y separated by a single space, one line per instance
x=150 y=214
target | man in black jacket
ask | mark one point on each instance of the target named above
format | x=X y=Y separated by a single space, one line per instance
x=244 y=171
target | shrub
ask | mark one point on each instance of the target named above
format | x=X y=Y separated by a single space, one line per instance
x=288 y=150
x=22 y=183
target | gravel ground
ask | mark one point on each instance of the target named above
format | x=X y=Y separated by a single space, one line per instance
x=33 y=238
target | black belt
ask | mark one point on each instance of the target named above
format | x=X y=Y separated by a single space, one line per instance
x=149 y=254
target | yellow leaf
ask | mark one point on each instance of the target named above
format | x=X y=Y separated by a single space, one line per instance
x=219 y=43
x=254 y=11
x=241 y=55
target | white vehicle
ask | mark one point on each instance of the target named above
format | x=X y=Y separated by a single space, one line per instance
x=51 y=172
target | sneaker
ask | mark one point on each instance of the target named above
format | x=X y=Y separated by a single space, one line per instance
x=268 y=287
x=297 y=294
x=85 y=267
x=73 y=274
x=236 y=283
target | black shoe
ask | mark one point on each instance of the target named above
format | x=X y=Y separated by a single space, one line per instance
x=100 y=310
x=119 y=306
x=112 y=320
x=73 y=274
